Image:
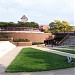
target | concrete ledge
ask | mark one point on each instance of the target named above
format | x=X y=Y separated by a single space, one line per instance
x=23 y=43
x=41 y=45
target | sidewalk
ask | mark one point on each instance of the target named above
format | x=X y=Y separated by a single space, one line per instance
x=9 y=57
x=55 y=51
x=70 y=71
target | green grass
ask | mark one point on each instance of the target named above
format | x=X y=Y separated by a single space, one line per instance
x=67 y=51
x=72 y=47
x=33 y=60
x=37 y=43
x=5 y=36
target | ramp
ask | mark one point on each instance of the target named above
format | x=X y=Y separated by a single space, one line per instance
x=5 y=47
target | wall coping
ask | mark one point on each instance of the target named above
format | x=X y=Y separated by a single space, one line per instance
x=21 y=32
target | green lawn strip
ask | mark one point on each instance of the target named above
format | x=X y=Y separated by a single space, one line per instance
x=67 y=51
x=33 y=60
x=72 y=47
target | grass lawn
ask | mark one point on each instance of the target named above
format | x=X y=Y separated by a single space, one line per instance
x=71 y=47
x=67 y=51
x=33 y=60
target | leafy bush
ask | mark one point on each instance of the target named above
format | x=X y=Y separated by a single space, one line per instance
x=37 y=43
x=21 y=40
x=4 y=36
x=26 y=24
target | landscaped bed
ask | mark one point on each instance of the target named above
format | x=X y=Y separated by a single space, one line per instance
x=67 y=51
x=70 y=47
x=33 y=60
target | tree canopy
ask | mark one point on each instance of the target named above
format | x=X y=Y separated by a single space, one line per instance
x=60 y=26
x=25 y=24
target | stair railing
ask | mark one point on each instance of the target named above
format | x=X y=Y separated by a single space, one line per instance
x=63 y=39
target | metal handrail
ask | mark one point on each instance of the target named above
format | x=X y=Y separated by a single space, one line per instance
x=64 y=39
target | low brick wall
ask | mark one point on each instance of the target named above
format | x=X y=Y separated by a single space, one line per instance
x=6 y=39
x=32 y=36
x=22 y=43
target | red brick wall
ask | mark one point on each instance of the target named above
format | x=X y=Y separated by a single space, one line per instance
x=6 y=39
x=34 y=37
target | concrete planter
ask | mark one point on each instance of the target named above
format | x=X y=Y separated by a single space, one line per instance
x=23 y=43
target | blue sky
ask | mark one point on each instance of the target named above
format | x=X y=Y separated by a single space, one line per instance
x=40 y=11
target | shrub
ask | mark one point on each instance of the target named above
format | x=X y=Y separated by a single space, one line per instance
x=5 y=36
x=37 y=43
x=21 y=40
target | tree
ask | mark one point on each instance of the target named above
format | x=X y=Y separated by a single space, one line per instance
x=66 y=26
x=20 y=24
x=11 y=24
x=53 y=27
x=58 y=26
x=34 y=24
x=46 y=30
x=28 y=24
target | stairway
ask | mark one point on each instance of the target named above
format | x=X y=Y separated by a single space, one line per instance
x=69 y=41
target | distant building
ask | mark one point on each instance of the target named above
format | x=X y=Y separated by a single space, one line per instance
x=43 y=27
x=73 y=28
x=24 y=18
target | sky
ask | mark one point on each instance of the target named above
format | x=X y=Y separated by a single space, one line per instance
x=41 y=11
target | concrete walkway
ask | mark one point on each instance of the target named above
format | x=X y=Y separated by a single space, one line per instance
x=55 y=51
x=9 y=57
x=70 y=71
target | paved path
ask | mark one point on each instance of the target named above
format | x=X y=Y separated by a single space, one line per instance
x=55 y=51
x=70 y=71
x=8 y=58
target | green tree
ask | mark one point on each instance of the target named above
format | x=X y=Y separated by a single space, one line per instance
x=20 y=24
x=34 y=24
x=66 y=26
x=11 y=24
x=58 y=26
x=28 y=24
x=46 y=30
x=53 y=27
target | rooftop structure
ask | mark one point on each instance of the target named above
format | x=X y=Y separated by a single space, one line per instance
x=24 y=18
x=43 y=27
